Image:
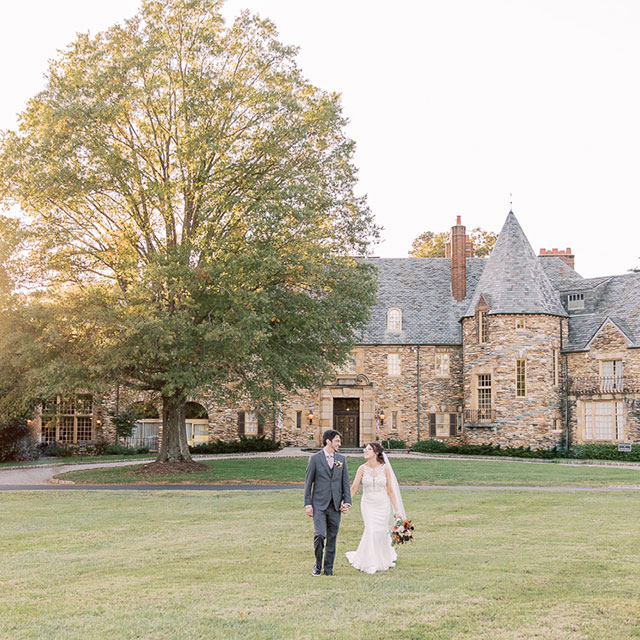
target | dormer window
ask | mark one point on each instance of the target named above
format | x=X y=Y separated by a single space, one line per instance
x=575 y=301
x=394 y=320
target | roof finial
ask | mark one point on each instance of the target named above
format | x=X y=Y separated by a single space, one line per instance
x=510 y=202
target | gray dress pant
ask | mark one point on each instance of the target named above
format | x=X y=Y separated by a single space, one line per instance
x=326 y=523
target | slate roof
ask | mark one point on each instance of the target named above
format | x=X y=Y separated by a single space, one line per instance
x=513 y=280
x=421 y=289
x=619 y=301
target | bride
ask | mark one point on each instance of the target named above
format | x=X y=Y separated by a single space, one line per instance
x=380 y=494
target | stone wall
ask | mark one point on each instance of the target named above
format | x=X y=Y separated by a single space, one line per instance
x=533 y=420
x=585 y=373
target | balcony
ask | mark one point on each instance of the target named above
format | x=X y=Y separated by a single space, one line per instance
x=479 y=417
x=593 y=385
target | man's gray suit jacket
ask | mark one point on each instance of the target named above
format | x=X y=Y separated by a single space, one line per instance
x=323 y=485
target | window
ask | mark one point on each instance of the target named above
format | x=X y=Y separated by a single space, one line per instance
x=484 y=392
x=556 y=367
x=349 y=366
x=442 y=365
x=604 y=421
x=251 y=424
x=520 y=323
x=84 y=428
x=146 y=433
x=394 y=320
x=611 y=374
x=575 y=301
x=443 y=425
x=394 y=420
x=67 y=419
x=482 y=327
x=393 y=364
x=298 y=419
x=521 y=378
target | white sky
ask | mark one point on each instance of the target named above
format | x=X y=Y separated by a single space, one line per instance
x=454 y=104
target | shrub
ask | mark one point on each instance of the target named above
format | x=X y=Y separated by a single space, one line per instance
x=437 y=446
x=119 y=450
x=16 y=441
x=243 y=445
x=56 y=451
x=390 y=443
x=604 y=452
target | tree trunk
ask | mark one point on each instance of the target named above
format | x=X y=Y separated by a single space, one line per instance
x=174 y=446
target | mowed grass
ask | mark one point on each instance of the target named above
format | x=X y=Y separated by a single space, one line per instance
x=428 y=471
x=188 y=565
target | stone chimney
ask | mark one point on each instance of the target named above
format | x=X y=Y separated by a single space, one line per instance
x=566 y=256
x=459 y=249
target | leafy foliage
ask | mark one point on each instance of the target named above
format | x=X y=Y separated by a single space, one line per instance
x=437 y=446
x=125 y=422
x=391 y=443
x=432 y=245
x=192 y=209
x=244 y=444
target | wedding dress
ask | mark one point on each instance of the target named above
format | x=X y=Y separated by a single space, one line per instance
x=375 y=552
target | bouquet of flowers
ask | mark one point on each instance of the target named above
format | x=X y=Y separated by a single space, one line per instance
x=401 y=532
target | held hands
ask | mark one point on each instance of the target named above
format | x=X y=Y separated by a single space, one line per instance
x=344 y=508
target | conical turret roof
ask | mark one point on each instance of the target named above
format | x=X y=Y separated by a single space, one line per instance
x=513 y=280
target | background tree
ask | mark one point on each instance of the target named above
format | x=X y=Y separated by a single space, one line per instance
x=432 y=245
x=429 y=245
x=192 y=200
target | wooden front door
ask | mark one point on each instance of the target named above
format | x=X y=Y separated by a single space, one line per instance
x=346 y=420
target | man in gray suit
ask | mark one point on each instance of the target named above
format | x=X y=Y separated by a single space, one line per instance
x=327 y=494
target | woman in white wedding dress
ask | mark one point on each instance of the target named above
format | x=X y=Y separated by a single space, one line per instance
x=381 y=504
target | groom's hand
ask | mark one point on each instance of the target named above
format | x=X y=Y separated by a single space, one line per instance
x=309 y=511
x=344 y=508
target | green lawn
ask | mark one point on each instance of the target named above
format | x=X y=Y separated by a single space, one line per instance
x=195 y=566
x=74 y=460
x=409 y=471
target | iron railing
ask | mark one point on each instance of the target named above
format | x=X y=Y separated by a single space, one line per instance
x=590 y=385
x=479 y=417
x=152 y=443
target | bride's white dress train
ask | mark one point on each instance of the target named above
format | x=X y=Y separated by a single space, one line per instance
x=375 y=551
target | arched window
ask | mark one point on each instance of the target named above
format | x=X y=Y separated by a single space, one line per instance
x=394 y=320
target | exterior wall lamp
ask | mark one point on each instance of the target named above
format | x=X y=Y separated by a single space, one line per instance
x=310 y=416
x=381 y=417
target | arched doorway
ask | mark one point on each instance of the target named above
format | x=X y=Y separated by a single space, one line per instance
x=146 y=432
x=196 y=423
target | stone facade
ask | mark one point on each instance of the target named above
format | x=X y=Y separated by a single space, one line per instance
x=592 y=380
x=525 y=416
x=515 y=350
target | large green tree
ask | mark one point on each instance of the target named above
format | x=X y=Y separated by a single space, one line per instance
x=192 y=200
x=432 y=245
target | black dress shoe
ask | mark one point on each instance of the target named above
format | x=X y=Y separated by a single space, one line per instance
x=316 y=572
x=328 y=573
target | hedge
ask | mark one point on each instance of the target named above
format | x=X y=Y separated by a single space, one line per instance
x=244 y=444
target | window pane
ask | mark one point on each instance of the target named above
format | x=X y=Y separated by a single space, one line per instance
x=66 y=429
x=393 y=364
x=251 y=424
x=84 y=428
x=394 y=320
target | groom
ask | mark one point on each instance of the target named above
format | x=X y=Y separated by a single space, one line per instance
x=326 y=495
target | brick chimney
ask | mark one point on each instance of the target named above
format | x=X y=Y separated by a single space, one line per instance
x=566 y=256
x=459 y=249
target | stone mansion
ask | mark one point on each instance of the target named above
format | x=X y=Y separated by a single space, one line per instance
x=514 y=349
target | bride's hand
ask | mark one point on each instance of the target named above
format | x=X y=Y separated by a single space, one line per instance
x=398 y=516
